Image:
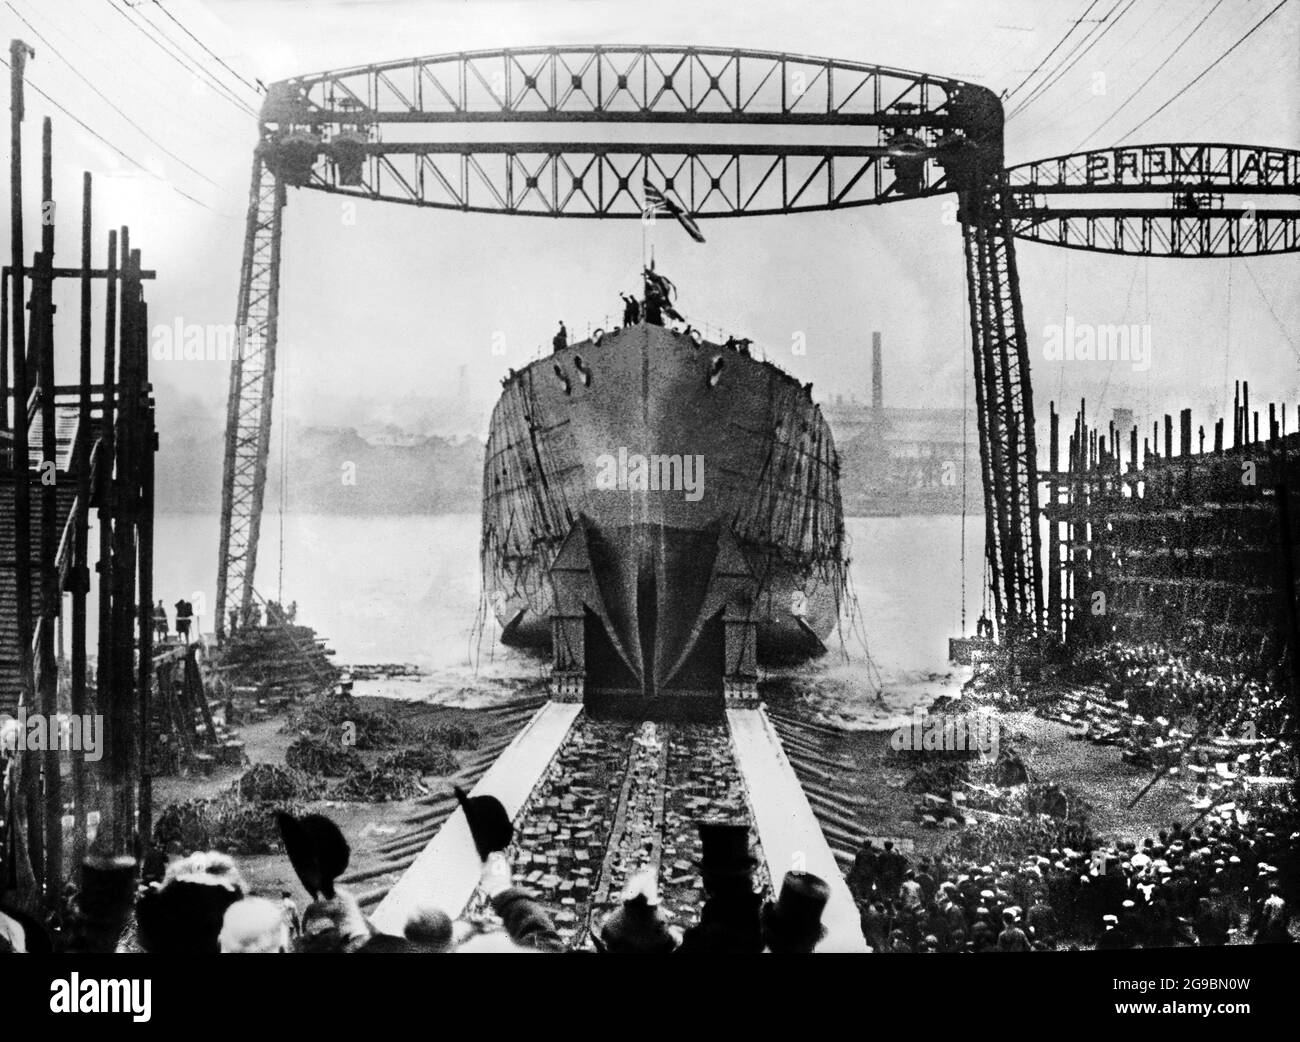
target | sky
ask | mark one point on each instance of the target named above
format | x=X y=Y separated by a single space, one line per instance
x=403 y=306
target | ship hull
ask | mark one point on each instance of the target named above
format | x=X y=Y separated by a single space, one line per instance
x=660 y=502
x=784 y=634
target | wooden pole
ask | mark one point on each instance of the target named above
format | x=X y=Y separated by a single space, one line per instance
x=144 y=541
x=124 y=497
x=194 y=687
x=51 y=597
x=105 y=702
x=18 y=54
x=81 y=570
x=4 y=352
x=1054 y=575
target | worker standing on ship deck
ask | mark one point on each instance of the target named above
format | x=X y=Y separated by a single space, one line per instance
x=184 y=612
x=659 y=293
x=160 y=621
x=561 y=339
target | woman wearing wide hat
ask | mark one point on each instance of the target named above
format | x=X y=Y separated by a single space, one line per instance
x=636 y=927
x=185 y=914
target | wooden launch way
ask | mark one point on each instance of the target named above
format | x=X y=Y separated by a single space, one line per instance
x=594 y=801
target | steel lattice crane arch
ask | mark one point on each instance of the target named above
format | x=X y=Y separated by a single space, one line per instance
x=379 y=132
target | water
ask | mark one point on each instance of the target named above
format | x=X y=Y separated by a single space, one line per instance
x=406 y=589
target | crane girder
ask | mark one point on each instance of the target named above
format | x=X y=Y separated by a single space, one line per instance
x=372 y=131
x=871 y=135
x=1162 y=233
x=1162 y=200
x=617 y=83
x=605 y=180
x=1241 y=169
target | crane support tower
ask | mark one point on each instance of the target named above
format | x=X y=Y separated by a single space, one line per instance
x=897 y=135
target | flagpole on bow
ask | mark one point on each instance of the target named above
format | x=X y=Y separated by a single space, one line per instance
x=647 y=219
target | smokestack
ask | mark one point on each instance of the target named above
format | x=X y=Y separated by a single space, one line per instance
x=877 y=386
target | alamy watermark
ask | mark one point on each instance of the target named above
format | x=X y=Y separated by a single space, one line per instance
x=207 y=342
x=75 y=994
x=948 y=732
x=35 y=732
x=636 y=472
x=1086 y=342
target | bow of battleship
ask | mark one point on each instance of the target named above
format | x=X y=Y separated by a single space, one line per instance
x=663 y=513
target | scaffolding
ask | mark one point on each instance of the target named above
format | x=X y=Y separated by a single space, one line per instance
x=1194 y=549
x=67 y=452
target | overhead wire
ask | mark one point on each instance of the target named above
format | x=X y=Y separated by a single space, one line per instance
x=1141 y=86
x=205 y=47
x=1280 y=54
x=1094 y=36
x=108 y=144
x=190 y=69
x=1059 y=44
x=1051 y=116
x=1206 y=71
x=109 y=101
x=107 y=42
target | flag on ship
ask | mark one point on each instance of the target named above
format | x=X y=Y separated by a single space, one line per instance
x=660 y=294
x=657 y=201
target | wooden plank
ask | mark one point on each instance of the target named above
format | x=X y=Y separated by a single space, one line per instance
x=787 y=827
x=446 y=872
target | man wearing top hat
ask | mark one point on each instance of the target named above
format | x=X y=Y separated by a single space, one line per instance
x=730 y=921
x=793 y=923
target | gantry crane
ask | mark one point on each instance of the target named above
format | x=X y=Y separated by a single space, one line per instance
x=369 y=132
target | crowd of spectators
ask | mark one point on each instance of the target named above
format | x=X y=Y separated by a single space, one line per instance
x=1210 y=884
x=203 y=904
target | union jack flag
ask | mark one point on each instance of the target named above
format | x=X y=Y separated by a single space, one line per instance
x=656 y=201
